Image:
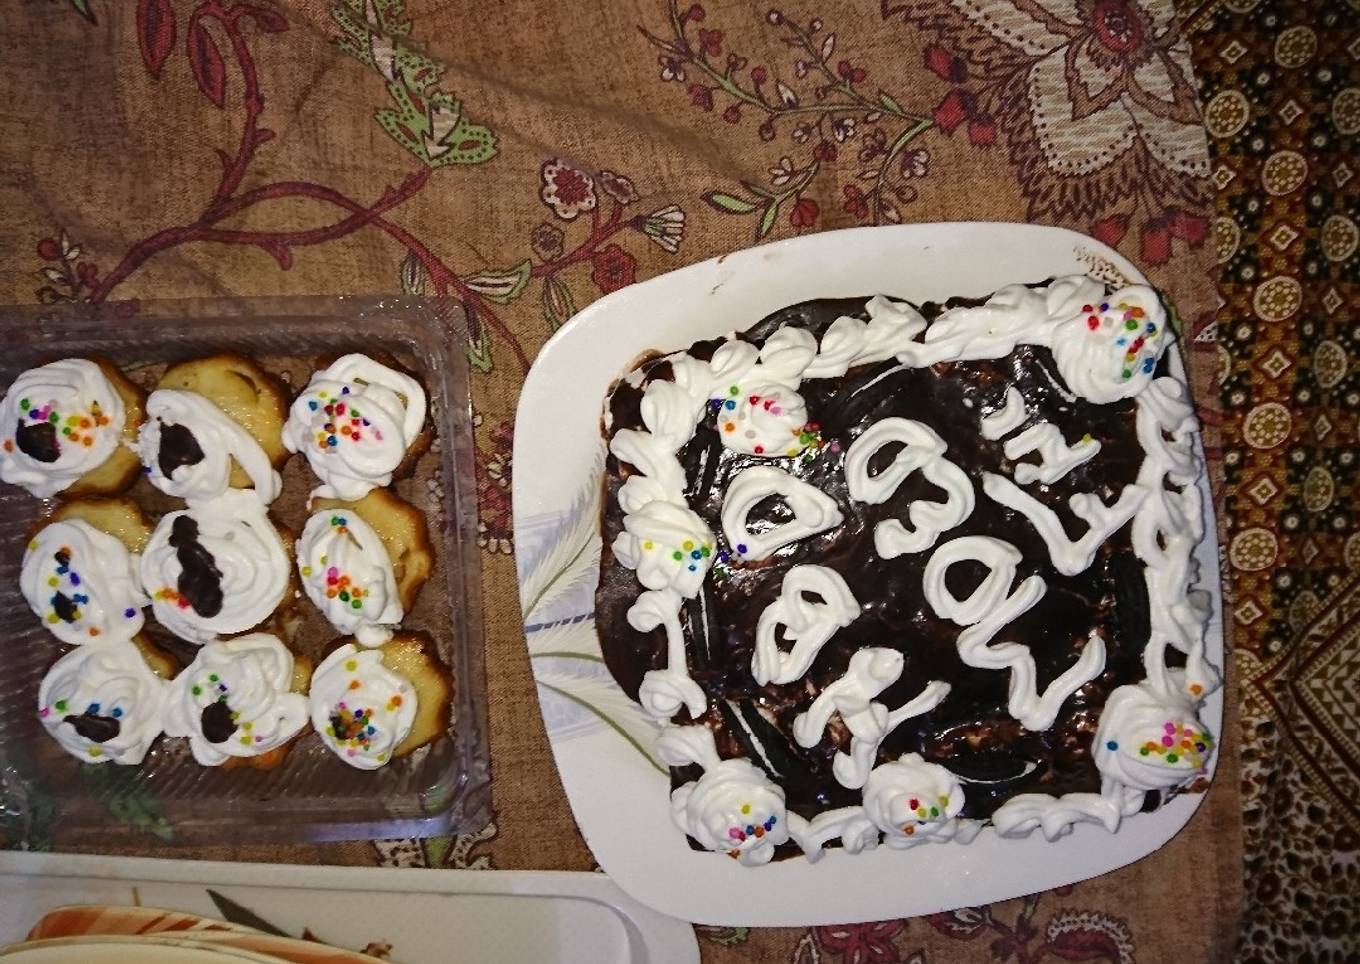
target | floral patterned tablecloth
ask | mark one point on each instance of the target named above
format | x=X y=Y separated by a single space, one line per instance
x=519 y=160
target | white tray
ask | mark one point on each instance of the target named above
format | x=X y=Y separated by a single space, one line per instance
x=600 y=738
x=425 y=915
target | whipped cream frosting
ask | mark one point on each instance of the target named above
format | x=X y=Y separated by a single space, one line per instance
x=992 y=605
x=1151 y=741
x=57 y=423
x=362 y=709
x=235 y=699
x=188 y=444
x=216 y=568
x=82 y=583
x=806 y=623
x=912 y=801
x=733 y=808
x=813 y=511
x=922 y=450
x=872 y=670
x=348 y=575
x=354 y=421
x=102 y=703
x=664 y=691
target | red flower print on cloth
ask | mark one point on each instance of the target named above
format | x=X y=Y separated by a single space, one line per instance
x=618 y=187
x=567 y=190
x=804 y=213
x=701 y=96
x=856 y=204
x=862 y=943
x=494 y=474
x=613 y=268
x=1096 y=101
x=67 y=277
x=546 y=241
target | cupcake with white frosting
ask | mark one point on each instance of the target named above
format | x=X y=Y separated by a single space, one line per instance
x=371 y=706
x=363 y=563
x=79 y=572
x=65 y=427
x=360 y=424
x=103 y=704
x=214 y=424
x=240 y=702
x=217 y=568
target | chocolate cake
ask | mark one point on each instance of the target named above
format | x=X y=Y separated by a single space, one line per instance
x=889 y=573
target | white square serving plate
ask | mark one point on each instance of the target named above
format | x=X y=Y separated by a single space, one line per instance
x=601 y=740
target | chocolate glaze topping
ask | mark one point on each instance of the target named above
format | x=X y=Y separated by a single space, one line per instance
x=178 y=447
x=65 y=607
x=37 y=440
x=218 y=726
x=200 y=581
x=93 y=727
x=971 y=733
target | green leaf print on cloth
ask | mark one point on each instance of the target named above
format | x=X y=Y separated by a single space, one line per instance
x=427 y=121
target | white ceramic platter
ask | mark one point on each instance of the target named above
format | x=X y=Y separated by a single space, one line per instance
x=601 y=739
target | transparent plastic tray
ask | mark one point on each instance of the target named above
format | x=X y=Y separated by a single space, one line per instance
x=46 y=795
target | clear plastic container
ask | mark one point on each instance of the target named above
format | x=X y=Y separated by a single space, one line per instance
x=443 y=788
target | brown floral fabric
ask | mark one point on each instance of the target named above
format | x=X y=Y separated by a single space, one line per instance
x=513 y=162
x=1281 y=86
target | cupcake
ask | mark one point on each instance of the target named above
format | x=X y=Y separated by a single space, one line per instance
x=61 y=426
x=362 y=563
x=103 y=703
x=216 y=568
x=360 y=423
x=192 y=459
x=194 y=450
x=240 y=702
x=373 y=705
x=79 y=572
